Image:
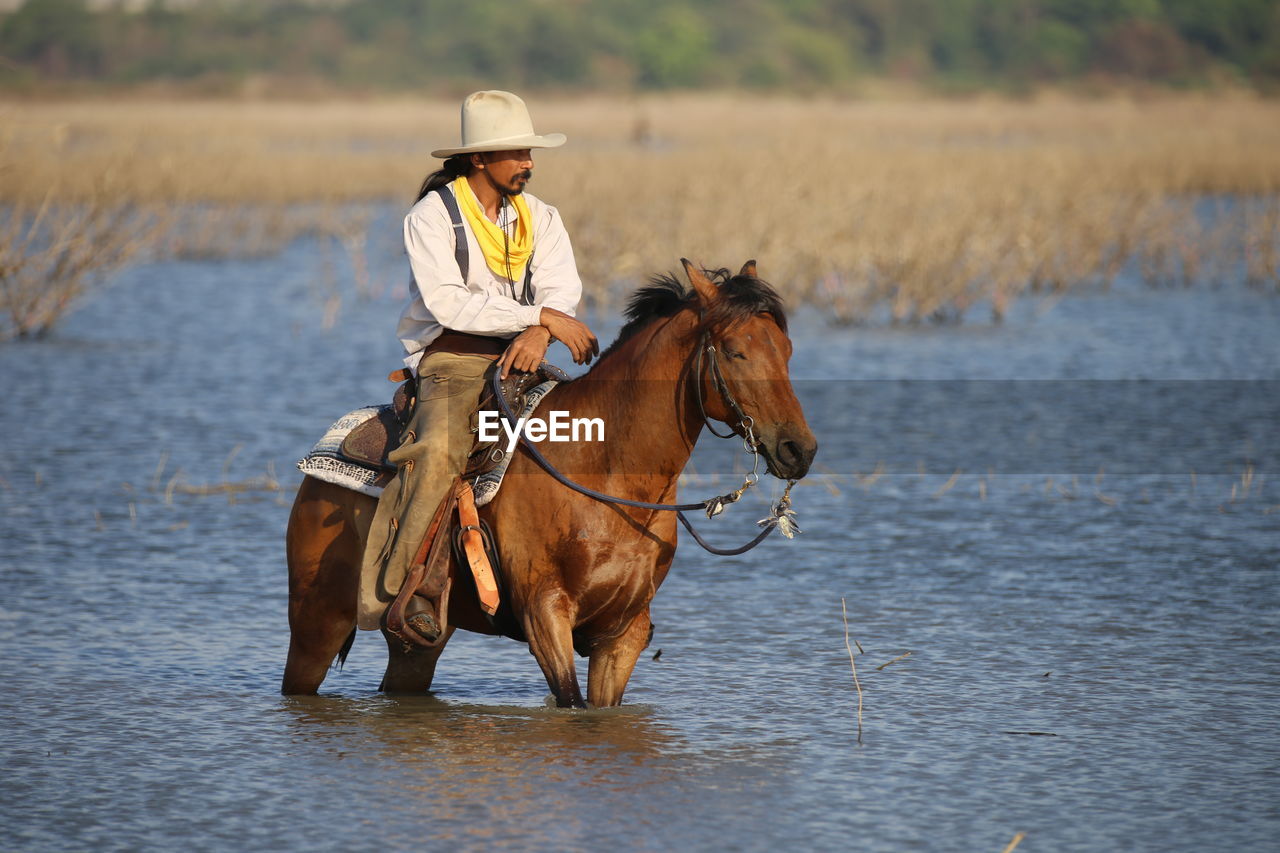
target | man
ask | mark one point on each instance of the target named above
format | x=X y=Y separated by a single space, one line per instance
x=493 y=278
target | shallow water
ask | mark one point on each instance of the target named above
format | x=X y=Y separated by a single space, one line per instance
x=1130 y=618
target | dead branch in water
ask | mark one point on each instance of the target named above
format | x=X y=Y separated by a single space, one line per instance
x=844 y=612
x=267 y=482
x=1014 y=842
x=52 y=256
x=253 y=484
x=895 y=660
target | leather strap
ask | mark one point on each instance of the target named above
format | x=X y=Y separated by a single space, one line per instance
x=464 y=343
x=473 y=546
x=459 y=230
x=457 y=343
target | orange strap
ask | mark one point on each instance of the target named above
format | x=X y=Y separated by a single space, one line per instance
x=473 y=546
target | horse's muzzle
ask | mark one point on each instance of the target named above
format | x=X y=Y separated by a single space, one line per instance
x=789 y=453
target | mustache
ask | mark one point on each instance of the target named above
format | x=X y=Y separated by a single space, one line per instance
x=527 y=174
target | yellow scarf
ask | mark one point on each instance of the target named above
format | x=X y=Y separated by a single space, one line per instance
x=505 y=256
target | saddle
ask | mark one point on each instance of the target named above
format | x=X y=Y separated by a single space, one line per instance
x=369 y=443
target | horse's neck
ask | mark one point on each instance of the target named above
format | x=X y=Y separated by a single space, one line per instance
x=643 y=392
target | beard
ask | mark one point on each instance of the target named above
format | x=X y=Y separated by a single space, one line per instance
x=518 y=183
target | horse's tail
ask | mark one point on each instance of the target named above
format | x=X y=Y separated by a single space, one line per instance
x=341 y=659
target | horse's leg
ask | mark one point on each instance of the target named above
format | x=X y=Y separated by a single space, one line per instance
x=410 y=668
x=612 y=662
x=548 y=623
x=324 y=558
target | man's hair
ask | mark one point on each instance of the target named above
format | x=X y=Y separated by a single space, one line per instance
x=453 y=168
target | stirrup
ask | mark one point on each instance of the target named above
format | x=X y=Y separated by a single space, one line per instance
x=422 y=620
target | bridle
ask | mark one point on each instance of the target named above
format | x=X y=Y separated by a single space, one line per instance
x=745 y=421
x=781 y=514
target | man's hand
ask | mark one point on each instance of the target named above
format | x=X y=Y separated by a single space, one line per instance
x=573 y=332
x=525 y=351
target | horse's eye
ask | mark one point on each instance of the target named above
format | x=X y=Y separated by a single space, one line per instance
x=730 y=353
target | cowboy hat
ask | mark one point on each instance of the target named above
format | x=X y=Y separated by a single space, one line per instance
x=497 y=121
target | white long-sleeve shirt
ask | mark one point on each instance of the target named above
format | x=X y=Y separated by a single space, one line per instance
x=484 y=304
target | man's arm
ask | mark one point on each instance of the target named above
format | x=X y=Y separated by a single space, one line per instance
x=530 y=346
x=557 y=290
x=555 y=279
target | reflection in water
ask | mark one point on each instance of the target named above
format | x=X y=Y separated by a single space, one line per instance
x=456 y=768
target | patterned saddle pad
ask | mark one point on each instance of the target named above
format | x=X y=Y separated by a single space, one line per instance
x=326 y=461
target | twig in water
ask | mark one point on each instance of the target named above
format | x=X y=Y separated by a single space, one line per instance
x=828 y=479
x=173 y=482
x=895 y=660
x=226 y=465
x=155 y=478
x=868 y=480
x=1017 y=839
x=253 y=484
x=946 y=487
x=844 y=612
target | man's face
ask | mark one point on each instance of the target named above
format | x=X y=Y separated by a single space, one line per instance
x=509 y=171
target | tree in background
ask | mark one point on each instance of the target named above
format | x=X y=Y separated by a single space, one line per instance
x=58 y=38
x=449 y=45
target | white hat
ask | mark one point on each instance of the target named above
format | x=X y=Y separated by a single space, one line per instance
x=497 y=121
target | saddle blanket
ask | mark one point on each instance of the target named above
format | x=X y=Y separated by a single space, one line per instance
x=326 y=462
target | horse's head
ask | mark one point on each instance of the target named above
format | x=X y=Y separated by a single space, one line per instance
x=742 y=360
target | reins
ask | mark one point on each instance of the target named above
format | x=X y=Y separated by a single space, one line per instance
x=781 y=514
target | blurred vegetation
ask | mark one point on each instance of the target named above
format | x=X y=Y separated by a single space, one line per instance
x=927 y=211
x=447 y=46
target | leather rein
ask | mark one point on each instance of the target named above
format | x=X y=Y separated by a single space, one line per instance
x=713 y=506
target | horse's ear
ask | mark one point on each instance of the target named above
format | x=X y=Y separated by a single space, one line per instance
x=749 y=269
x=706 y=290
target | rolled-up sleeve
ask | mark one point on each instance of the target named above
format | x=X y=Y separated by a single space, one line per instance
x=428 y=240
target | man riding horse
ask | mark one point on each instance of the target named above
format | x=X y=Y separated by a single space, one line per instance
x=494 y=284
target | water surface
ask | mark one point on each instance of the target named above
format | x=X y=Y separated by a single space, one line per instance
x=1130 y=620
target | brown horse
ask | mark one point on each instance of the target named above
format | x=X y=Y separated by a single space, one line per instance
x=580 y=573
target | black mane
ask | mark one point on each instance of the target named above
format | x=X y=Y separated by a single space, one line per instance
x=741 y=297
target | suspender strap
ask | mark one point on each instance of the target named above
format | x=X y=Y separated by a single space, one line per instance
x=460 y=246
x=528 y=281
x=459 y=231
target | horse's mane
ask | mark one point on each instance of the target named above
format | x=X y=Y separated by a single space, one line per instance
x=741 y=297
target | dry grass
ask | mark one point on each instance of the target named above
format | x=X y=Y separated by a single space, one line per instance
x=913 y=211
x=52 y=255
